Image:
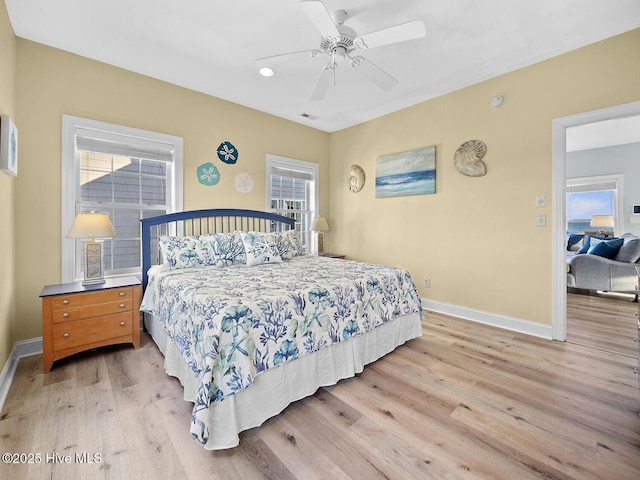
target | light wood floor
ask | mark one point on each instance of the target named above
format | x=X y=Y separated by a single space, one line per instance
x=465 y=401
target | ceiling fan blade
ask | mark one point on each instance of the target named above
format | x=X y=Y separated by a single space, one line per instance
x=374 y=73
x=322 y=85
x=274 y=59
x=395 y=34
x=321 y=18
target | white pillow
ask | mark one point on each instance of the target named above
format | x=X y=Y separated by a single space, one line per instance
x=289 y=244
x=260 y=248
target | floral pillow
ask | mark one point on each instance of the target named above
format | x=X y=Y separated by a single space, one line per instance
x=260 y=248
x=289 y=245
x=185 y=252
x=227 y=248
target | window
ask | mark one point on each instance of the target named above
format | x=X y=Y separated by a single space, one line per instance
x=593 y=196
x=292 y=191
x=127 y=173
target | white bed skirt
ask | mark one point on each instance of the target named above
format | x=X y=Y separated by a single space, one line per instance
x=276 y=388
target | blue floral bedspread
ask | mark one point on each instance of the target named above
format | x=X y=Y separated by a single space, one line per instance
x=234 y=322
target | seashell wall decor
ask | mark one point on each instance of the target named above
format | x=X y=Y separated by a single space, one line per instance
x=357 y=178
x=468 y=158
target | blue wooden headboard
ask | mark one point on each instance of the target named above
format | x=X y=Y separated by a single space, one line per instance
x=199 y=222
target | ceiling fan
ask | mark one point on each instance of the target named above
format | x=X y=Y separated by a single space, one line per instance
x=341 y=43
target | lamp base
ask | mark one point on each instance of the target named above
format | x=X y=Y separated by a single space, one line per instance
x=93 y=272
x=320 y=242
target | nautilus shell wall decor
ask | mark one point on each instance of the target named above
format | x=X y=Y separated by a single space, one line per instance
x=468 y=158
x=357 y=178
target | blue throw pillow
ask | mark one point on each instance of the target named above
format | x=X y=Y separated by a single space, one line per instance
x=606 y=248
x=590 y=241
x=573 y=238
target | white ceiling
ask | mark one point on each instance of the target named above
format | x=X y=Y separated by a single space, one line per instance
x=211 y=46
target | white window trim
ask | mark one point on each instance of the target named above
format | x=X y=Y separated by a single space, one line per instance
x=71 y=173
x=293 y=164
x=618 y=179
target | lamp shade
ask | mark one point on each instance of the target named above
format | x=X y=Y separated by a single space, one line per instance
x=319 y=224
x=602 y=221
x=91 y=225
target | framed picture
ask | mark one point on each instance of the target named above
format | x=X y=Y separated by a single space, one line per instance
x=406 y=173
x=8 y=146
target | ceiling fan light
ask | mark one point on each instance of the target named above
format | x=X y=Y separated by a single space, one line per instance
x=339 y=53
x=266 y=72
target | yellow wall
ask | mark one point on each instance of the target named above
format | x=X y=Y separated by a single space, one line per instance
x=476 y=238
x=52 y=82
x=7 y=192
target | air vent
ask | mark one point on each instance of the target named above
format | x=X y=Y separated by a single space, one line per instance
x=309 y=116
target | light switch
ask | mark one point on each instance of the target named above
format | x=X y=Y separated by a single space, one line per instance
x=541 y=201
x=541 y=220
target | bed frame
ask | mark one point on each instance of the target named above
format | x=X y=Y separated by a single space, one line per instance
x=200 y=222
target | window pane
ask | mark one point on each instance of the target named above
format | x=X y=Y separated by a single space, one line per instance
x=582 y=205
x=126 y=223
x=290 y=198
x=126 y=254
x=154 y=190
x=112 y=181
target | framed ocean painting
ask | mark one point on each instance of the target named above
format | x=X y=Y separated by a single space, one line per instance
x=8 y=146
x=406 y=173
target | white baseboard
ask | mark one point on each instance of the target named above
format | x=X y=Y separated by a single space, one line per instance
x=495 y=320
x=26 y=348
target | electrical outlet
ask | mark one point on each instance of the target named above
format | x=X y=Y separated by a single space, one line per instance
x=427 y=282
x=541 y=201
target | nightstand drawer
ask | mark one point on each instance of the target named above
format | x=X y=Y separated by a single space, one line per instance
x=79 y=313
x=62 y=302
x=74 y=334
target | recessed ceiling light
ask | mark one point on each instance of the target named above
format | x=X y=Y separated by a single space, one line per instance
x=266 y=72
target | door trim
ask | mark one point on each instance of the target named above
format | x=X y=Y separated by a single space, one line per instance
x=558 y=200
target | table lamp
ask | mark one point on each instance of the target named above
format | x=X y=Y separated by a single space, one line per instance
x=319 y=224
x=602 y=221
x=90 y=226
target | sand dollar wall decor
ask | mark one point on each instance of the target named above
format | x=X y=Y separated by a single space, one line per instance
x=356 y=179
x=468 y=158
x=228 y=153
x=208 y=174
x=244 y=183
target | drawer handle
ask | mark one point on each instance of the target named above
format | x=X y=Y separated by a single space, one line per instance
x=122 y=294
x=65 y=302
x=65 y=315
x=65 y=335
x=122 y=305
x=122 y=324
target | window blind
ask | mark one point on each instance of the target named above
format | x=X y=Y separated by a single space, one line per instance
x=590 y=187
x=126 y=146
x=286 y=172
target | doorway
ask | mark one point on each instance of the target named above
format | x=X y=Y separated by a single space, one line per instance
x=558 y=185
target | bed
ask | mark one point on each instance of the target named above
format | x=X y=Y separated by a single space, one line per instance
x=248 y=322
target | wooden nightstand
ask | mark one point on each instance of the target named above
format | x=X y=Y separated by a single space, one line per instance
x=78 y=317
